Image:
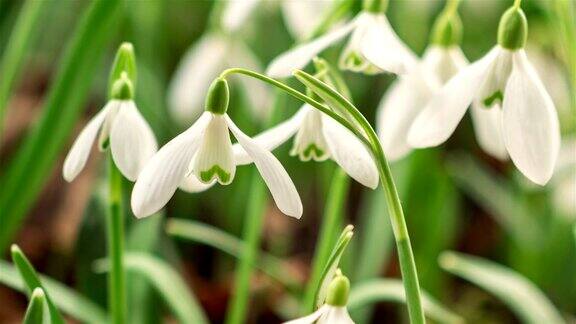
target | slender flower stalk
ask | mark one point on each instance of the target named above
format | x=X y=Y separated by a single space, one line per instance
x=364 y=131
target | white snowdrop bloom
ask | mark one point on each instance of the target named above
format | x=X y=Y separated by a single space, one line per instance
x=564 y=180
x=201 y=64
x=120 y=124
x=504 y=81
x=236 y=12
x=373 y=47
x=334 y=311
x=203 y=155
x=301 y=16
x=319 y=137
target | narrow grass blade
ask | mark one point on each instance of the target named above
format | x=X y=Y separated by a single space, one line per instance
x=214 y=237
x=36 y=306
x=522 y=296
x=21 y=38
x=169 y=284
x=65 y=298
x=30 y=278
x=32 y=165
x=392 y=290
x=332 y=264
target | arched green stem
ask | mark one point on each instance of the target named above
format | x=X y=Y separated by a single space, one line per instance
x=369 y=137
x=517 y=3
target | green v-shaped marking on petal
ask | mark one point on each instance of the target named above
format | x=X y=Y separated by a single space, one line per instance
x=313 y=150
x=496 y=96
x=215 y=172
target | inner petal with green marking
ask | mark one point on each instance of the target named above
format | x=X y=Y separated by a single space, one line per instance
x=493 y=99
x=215 y=172
x=309 y=143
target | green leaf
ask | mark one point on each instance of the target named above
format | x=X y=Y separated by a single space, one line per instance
x=522 y=296
x=31 y=167
x=203 y=233
x=332 y=264
x=30 y=278
x=21 y=39
x=392 y=290
x=35 y=310
x=65 y=298
x=167 y=282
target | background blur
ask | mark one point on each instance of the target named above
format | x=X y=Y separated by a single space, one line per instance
x=455 y=196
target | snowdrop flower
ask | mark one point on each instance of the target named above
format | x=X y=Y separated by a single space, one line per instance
x=334 y=310
x=203 y=155
x=373 y=46
x=319 y=137
x=504 y=81
x=564 y=180
x=411 y=92
x=119 y=123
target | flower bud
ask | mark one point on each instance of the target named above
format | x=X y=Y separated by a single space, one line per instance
x=375 y=6
x=218 y=97
x=513 y=29
x=124 y=62
x=122 y=88
x=447 y=30
x=338 y=290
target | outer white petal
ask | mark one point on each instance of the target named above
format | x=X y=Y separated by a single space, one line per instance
x=274 y=175
x=530 y=123
x=272 y=137
x=398 y=109
x=302 y=16
x=297 y=58
x=236 y=12
x=488 y=129
x=309 y=319
x=257 y=93
x=166 y=170
x=350 y=153
x=112 y=109
x=78 y=155
x=131 y=140
x=440 y=117
x=191 y=184
x=497 y=75
x=200 y=65
x=443 y=63
x=385 y=49
x=336 y=315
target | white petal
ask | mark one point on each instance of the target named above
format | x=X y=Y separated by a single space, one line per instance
x=336 y=315
x=492 y=88
x=236 y=13
x=298 y=57
x=112 y=108
x=530 y=123
x=310 y=318
x=398 y=109
x=383 y=48
x=310 y=142
x=131 y=140
x=351 y=58
x=488 y=129
x=272 y=137
x=257 y=92
x=78 y=155
x=440 y=117
x=274 y=175
x=301 y=17
x=443 y=63
x=191 y=184
x=214 y=159
x=350 y=153
x=166 y=170
x=201 y=64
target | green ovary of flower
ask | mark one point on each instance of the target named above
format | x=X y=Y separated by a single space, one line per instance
x=215 y=172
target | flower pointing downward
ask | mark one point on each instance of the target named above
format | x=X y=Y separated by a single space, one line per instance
x=504 y=81
x=373 y=47
x=120 y=125
x=334 y=310
x=203 y=155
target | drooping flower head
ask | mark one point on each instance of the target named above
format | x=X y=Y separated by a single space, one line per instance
x=119 y=125
x=373 y=47
x=319 y=137
x=334 y=310
x=203 y=155
x=505 y=82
